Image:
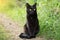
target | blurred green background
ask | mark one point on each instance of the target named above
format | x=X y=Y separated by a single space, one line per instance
x=48 y=14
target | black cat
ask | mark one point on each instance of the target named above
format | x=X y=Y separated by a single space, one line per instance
x=31 y=28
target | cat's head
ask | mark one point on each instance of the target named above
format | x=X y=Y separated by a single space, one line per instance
x=31 y=9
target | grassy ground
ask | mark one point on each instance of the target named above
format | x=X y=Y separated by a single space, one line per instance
x=48 y=15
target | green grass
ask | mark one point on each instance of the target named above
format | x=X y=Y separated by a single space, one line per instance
x=48 y=15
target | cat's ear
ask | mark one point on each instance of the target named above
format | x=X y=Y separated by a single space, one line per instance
x=34 y=5
x=27 y=4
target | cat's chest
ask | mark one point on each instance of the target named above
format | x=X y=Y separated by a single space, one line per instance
x=32 y=21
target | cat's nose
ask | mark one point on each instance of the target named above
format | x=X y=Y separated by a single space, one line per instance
x=32 y=12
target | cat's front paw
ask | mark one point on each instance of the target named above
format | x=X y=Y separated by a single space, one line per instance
x=23 y=35
x=26 y=36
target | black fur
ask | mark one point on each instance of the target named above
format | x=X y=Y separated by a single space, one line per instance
x=31 y=28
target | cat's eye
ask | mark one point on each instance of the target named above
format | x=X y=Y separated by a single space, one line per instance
x=30 y=9
x=34 y=9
